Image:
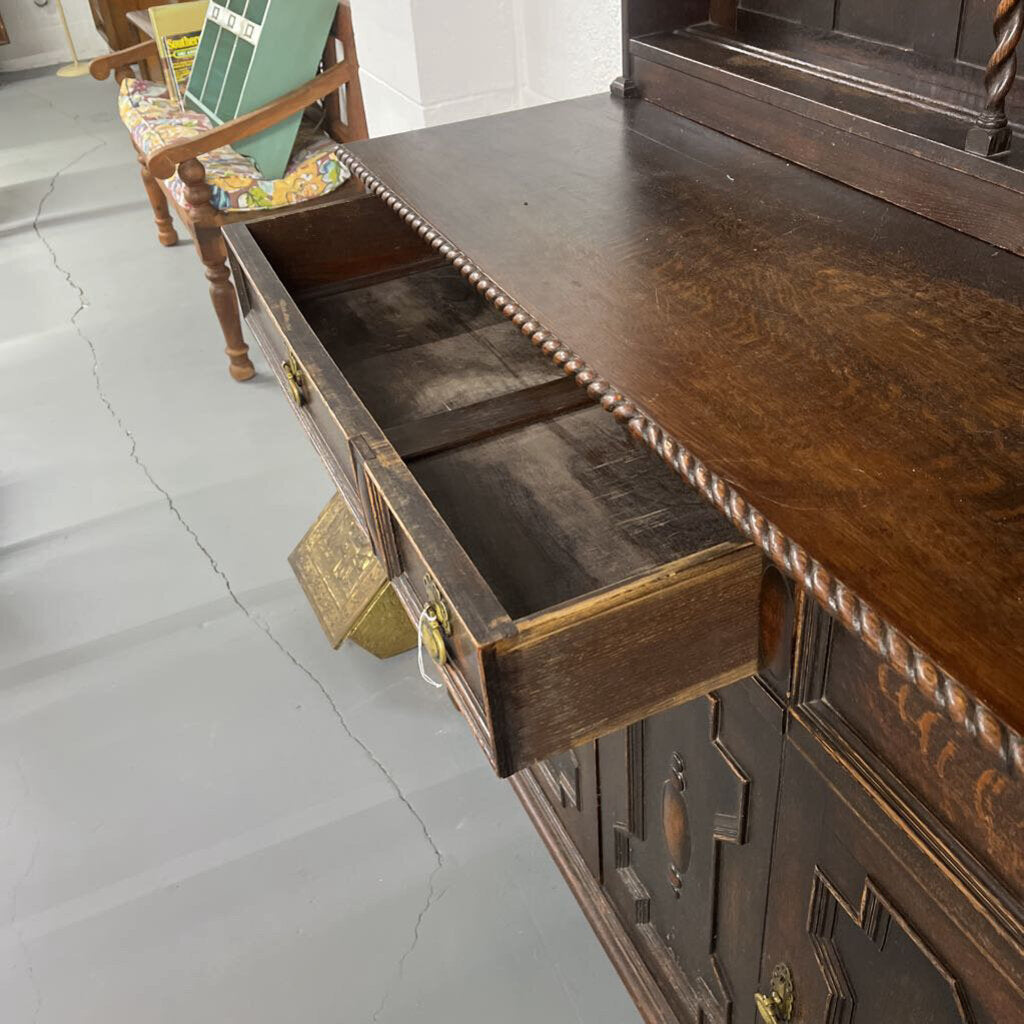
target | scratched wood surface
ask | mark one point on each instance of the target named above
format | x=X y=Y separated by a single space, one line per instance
x=854 y=369
x=423 y=344
x=557 y=509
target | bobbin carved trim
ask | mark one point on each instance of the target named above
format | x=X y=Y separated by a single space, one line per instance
x=973 y=717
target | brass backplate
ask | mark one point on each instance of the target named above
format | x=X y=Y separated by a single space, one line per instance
x=348 y=587
x=777 y=1006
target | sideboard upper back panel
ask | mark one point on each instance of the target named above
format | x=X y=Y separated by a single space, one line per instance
x=946 y=29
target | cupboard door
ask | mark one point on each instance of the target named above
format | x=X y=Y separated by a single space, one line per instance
x=687 y=807
x=870 y=926
x=569 y=781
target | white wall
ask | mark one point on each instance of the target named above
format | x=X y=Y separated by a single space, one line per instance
x=426 y=62
x=423 y=61
x=37 y=38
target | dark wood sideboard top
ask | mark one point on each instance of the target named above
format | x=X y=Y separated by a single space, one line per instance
x=854 y=370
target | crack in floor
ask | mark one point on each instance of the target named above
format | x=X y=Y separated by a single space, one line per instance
x=433 y=896
x=30 y=969
x=15 y=898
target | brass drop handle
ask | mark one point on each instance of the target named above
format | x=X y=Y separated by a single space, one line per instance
x=435 y=622
x=777 y=1006
x=432 y=635
x=293 y=374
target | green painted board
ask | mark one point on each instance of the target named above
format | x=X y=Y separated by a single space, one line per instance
x=252 y=52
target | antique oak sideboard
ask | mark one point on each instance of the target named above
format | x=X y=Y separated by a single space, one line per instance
x=688 y=422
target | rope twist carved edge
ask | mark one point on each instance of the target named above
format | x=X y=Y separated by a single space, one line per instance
x=945 y=693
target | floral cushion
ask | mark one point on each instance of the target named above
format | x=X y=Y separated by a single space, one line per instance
x=154 y=120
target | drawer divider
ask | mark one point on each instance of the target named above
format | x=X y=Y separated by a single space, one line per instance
x=456 y=427
x=378 y=515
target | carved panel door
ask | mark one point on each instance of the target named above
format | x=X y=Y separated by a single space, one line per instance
x=869 y=925
x=687 y=806
x=569 y=781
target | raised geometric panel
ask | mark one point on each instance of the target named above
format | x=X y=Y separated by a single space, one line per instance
x=705 y=994
x=730 y=817
x=677 y=793
x=562 y=775
x=873 y=961
x=569 y=781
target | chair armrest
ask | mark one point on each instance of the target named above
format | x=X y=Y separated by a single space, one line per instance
x=101 y=67
x=162 y=162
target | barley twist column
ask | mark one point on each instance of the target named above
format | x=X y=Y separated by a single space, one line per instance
x=990 y=135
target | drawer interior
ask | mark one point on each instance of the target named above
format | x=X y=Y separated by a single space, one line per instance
x=547 y=494
x=421 y=344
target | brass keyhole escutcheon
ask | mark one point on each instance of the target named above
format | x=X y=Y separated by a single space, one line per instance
x=293 y=374
x=435 y=622
x=777 y=1006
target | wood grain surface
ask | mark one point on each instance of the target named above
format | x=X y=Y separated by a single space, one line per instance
x=855 y=370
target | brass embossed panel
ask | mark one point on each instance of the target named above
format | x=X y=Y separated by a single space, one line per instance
x=348 y=587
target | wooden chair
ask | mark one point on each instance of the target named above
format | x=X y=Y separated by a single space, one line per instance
x=335 y=85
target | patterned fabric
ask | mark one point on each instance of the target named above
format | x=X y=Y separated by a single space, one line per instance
x=154 y=120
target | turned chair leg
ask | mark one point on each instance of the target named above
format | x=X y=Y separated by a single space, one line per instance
x=210 y=244
x=161 y=213
x=213 y=253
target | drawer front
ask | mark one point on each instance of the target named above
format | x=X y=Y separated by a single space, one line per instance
x=412 y=546
x=291 y=352
x=964 y=790
x=556 y=680
x=868 y=922
x=685 y=630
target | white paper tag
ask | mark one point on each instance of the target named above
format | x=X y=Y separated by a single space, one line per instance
x=424 y=617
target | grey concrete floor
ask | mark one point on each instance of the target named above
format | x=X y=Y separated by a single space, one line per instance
x=206 y=815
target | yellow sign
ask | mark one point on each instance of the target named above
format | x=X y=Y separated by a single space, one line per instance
x=176 y=29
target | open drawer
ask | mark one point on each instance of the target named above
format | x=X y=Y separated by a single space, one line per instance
x=571 y=583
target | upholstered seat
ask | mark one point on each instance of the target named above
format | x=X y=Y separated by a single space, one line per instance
x=189 y=163
x=154 y=120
